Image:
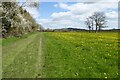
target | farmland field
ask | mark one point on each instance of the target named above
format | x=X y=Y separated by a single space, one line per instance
x=61 y=55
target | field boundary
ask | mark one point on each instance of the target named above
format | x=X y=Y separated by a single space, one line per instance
x=39 y=59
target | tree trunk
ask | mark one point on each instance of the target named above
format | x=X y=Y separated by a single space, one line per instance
x=89 y=30
x=96 y=28
x=99 y=28
x=92 y=28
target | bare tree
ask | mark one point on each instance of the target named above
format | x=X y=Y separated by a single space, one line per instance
x=99 y=19
x=88 y=23
x=92 y=22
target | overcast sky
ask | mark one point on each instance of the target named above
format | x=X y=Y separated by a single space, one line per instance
x=73 y=14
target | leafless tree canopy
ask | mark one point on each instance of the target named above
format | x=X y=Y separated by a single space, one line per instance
x=98 y=19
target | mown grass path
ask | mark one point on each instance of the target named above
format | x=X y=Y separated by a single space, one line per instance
x=20 y=58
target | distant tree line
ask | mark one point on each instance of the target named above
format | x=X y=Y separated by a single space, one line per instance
x=16 y=21
x=97 y=21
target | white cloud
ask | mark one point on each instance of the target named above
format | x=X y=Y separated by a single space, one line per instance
x=63 y=6
x=56 y=5
x=77 y=8
x=48 y=23
x=33 y=12
x=100 y=0
x=109 y=1
x=112 y=24
x=61 y=15
x=81 y=8
x=80 y=11
x=112 y=15
x=77 y=13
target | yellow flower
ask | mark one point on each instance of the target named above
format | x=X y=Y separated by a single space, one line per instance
x=105 y=77
x=104 y=73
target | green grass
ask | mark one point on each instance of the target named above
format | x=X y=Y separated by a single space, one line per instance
x=61 y=55
x=11 y=40
x=0 y=42
x=0 y=58
x=80 y=55
x=20 y=58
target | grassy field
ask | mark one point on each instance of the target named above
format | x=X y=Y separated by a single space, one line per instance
x=61 y=55
x=20 y=57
